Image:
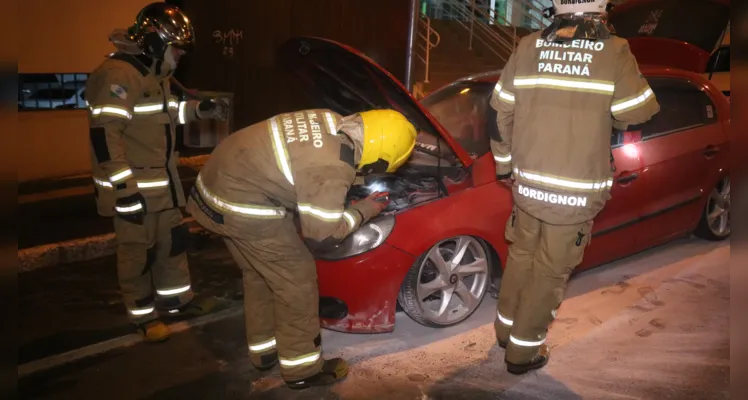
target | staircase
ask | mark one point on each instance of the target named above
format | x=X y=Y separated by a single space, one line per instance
x=457 y=38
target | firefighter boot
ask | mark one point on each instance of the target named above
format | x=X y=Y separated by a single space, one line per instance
x=154 y=331
x=195 y=308
x=540 y=360
x=332 y=371
x=267 y=361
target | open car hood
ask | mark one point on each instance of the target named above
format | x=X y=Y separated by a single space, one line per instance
x=346 y=81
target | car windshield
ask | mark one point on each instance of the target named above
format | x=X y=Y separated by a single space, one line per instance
x=698 y=22
x=464 y=111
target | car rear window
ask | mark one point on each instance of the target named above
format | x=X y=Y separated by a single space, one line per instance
x=682 y=106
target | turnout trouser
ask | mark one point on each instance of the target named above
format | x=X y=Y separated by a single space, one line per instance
x=281 y=296
x=152 y=263
x=541 y=258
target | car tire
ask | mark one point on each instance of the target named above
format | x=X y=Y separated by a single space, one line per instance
x=714 y=223
x=476 y=259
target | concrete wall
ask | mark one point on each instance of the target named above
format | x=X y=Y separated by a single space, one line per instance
x=62 y=36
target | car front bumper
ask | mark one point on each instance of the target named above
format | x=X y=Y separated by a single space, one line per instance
x=359 y=294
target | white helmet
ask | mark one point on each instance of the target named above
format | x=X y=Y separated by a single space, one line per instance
x=579 y=6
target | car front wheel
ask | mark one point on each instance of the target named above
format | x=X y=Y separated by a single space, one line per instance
x=447 y=283
x=715 y=219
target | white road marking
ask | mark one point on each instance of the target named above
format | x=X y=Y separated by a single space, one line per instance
x=57 y=360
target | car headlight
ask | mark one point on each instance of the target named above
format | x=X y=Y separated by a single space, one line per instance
x=368 y=237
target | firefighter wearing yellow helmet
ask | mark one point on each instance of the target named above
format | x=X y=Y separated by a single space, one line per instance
x=250 y=191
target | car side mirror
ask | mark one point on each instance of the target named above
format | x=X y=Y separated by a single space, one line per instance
x=631 y=137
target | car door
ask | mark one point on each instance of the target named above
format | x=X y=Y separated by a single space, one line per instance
x=614 y=229
x=681 y=150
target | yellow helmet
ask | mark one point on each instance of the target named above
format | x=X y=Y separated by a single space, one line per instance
x=389 y=139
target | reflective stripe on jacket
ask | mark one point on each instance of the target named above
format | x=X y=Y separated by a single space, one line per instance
x=556 y=107
x=132 y=120
x=294 y=161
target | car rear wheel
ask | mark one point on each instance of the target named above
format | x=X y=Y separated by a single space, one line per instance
x=715 y=219
x=447 y=283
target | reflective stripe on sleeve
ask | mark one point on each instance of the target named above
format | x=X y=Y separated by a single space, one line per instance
x=350 y=219
x=631 y=103
x=182 y=112
x=504 y=320
x=142 y=311
x=526 y=343
x=605 y=87
x=259 y=347
x=172 y=292
x=331 y=123
x=564 y=182
x=504 y=95
x=111 y=110
x=307 y=359
x=240 y=209
x=320 y=213
x=281 y=156
x=120 y=175
x=153 y=184
x=103 y=183
x=503 y=159
x=129 y=209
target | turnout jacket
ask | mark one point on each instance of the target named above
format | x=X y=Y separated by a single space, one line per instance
x=557 y=104
x=132 y=119
x=294 y=162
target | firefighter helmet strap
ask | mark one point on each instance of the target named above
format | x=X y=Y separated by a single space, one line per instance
x=378 y=167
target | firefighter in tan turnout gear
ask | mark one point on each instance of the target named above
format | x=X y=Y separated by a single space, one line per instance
x=250 y=190
x=558 y=99
x=132 y=121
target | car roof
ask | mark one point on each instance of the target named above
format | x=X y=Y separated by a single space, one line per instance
x=646 y=69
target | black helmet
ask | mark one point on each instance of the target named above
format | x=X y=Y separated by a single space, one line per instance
x=159 y=25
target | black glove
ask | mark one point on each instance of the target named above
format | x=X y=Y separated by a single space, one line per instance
x=131 y=208
x=213 y=109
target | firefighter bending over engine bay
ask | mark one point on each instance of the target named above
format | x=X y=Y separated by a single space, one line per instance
x=249 y=191
x=133 y=119
x=558 y=99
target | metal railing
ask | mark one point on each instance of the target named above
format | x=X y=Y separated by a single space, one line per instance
x=532 y=12
x=499 y=37
x=429 y=38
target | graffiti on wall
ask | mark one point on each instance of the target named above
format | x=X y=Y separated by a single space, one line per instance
x=228 y=40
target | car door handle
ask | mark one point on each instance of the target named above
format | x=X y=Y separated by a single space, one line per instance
x=627 y=179
x=710 y=151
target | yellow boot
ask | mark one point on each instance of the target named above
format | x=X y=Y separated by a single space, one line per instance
x=154 y=331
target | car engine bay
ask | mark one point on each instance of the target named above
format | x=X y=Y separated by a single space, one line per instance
x=415 y=182
x=405 y=189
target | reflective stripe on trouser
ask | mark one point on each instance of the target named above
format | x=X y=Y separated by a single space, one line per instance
x=152 y=254
x=541 y=259
x=281 y=297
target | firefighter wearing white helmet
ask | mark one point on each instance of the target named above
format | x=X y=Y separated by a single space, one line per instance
x=133 y=118
x=296 y=167
x=558 y=99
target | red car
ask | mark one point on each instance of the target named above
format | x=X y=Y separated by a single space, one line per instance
x=440 y=246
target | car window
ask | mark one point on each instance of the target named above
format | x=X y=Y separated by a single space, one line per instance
x=720 y=60
x=682 y=106
x=463 y=109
